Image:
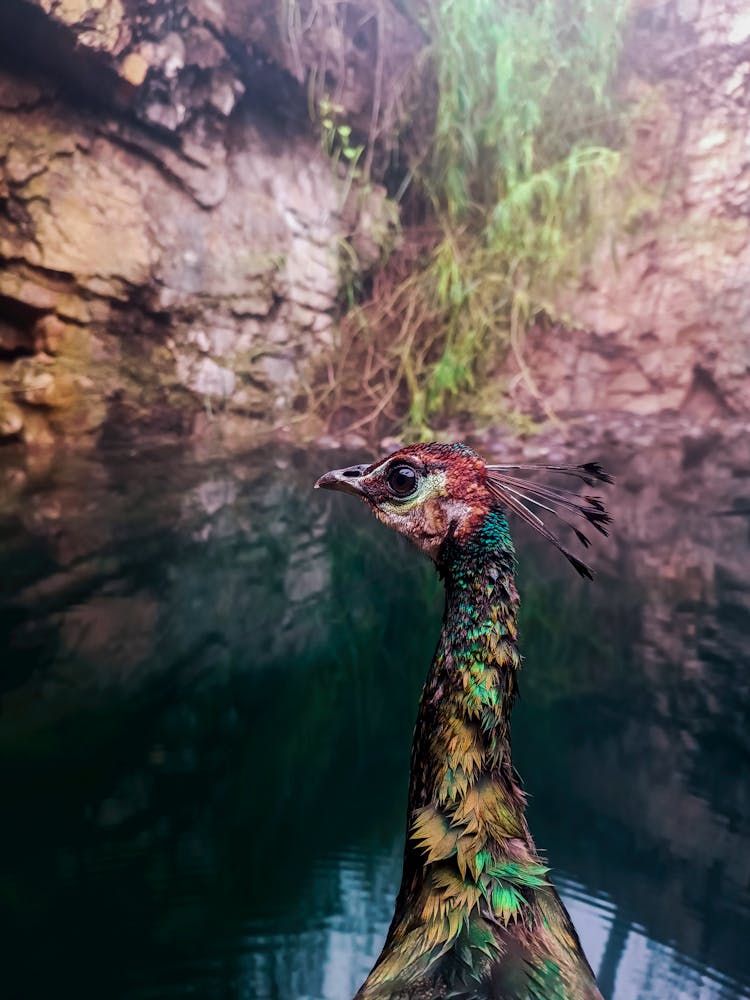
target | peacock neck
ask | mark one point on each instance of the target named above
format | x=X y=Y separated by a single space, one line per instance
x=462 y=741
x=466 y=810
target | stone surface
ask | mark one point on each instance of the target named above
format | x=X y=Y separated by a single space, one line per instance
x=661 y=321
x=49 y=334
x=11 y=419
x=177 y=243
x=13 y=339
x=38 y=381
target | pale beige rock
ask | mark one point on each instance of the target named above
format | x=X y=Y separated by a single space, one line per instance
x=92 y=217
x=101 y=20
x=229 y=230
x=15 y=286
x=629 y=383
x=205 y=377
x=134 y=68
x=38 y=381
x=11 y=419
x=37 y=433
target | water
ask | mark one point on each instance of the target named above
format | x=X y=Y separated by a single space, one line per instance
x=208 y=689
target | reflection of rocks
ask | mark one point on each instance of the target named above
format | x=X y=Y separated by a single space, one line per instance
x=114 y=629
x=307 y=576
x=229 y=554
x=215 y=494
x=681 y=530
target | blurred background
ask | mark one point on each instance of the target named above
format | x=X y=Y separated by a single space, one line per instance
x=243 y=243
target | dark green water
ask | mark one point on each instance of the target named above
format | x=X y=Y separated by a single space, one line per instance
x=209 y=679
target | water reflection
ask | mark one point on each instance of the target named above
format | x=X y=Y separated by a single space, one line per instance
x=208 y=693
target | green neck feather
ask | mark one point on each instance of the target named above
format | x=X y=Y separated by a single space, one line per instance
x=475 y=905
x=463 y=732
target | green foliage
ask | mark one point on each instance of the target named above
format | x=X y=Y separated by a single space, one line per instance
x=520 y=85
x=512 y=150
x=336 y=139
x=522 y=152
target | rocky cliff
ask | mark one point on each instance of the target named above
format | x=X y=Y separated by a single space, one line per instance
x=174 y=240
x=171 y=232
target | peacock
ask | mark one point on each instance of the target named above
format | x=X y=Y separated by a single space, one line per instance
x=476 y=915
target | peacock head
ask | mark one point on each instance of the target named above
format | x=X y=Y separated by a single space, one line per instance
x=435 y=492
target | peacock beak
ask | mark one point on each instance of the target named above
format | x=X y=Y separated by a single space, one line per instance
x=343 y=480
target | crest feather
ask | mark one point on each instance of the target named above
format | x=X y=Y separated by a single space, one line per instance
x=518 y=495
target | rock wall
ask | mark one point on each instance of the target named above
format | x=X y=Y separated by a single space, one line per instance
x=171 y=233
x=661 y=321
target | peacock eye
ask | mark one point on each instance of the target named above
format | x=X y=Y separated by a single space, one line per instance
x=402 y=480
